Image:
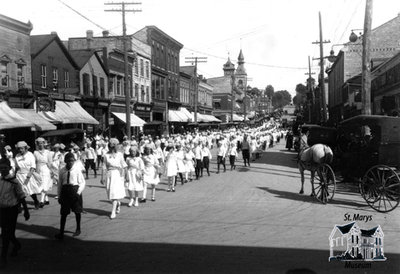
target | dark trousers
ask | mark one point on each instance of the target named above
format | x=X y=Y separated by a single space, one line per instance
x=206 y=165
x=246 y=156
x=99 y=161
x=9 y=217
x=198 y=168
x=89 y=163
x=220 y=161
x=232 y=159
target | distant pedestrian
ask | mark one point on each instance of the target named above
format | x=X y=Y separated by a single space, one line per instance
x=232 y=155
x=221 y=154
x=205 y=152
x=69 y=189
x=90 y=155
x=171 y=167
x=150 y=174
x=246 y=151
x=43 y=164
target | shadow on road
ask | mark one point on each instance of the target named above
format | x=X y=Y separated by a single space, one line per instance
x=308 y=198
x=278 y=159
x=98 y=212
x=76 y=255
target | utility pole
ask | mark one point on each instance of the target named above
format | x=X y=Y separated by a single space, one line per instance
x=310 y=90
x=196 y=84
x=321 y=43
x=245 y=97
x=366 y=64
x=126 y=76
x=233 y=95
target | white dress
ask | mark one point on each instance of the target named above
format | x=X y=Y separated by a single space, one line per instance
x=134 y=173
x=189 y=161
x=150 y=175
x=114 y=164
x=180 y=156
x=43 y=163
x=171 y=164
x=24 y=163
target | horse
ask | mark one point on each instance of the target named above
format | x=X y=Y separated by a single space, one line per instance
x=310 y=158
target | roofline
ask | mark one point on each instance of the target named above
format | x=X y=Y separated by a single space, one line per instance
x=61 y=44
x=162 y=32
x=16 y=25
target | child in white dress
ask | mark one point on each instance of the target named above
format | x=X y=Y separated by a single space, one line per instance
x=189 y=164
x=171 y=168
x=150 y=175
x=134 y=176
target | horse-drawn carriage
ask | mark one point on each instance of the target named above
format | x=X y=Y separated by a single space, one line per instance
x=367 y=151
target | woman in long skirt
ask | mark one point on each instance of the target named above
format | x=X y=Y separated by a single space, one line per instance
x=43 y=164
x=134 y=176
x=113 y=176
x=150 y=175
x=26 y=172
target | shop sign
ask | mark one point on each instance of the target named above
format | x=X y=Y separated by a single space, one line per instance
x=142 y=108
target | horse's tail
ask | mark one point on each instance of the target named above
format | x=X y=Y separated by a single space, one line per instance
x=328 y=155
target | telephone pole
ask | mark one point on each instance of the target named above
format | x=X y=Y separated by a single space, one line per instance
x=245 y=97
x=310 y=90
x=321 y=43
x=233 y=95
x=126 y=80
x=196 y=84
x=366 y=64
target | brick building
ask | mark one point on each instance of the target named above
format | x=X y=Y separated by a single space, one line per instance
x=165 y=85
x=384 y=44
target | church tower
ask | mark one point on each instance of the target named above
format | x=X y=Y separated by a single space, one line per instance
x=241 y=74
x=229 y=68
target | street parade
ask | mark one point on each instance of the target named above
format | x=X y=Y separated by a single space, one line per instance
x=210 y=149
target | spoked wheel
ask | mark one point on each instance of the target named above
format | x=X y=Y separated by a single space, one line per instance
x=380 y=188
x=324 y=183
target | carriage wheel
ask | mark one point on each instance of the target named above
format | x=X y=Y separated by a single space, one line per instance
x=324 y=183
x=380 y=188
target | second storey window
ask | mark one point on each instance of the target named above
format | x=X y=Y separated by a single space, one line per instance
x=66 y=79
x=95 y=86
x=4 y=74
x=20 y=75
x=147 y=69
x=102 y=88
x=86 y=84
x=55 y=78
x=136 y=68
x=141 y=68
x=43 y=75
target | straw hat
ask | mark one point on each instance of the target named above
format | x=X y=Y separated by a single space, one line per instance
x=22 y=144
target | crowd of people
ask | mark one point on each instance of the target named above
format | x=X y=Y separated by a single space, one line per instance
x=131 y=166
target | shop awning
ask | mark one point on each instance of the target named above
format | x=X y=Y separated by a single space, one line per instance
x=68 y=113
x=135 y=120
x=11 y=119
x=31 y=115
x=177 y=116
x=237 y=118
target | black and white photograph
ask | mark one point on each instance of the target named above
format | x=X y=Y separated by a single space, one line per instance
x=187 y=136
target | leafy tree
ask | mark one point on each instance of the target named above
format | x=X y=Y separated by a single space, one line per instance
x=269 y=91
x=301 y=94
x=281 y=98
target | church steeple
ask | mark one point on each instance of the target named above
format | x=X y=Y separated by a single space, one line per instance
x=229 y=68
x=240 y=69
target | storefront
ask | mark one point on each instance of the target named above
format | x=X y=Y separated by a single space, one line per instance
x=143 y=111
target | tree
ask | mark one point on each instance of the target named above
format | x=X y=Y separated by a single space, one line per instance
x=269 y=91
x=301 y=94
x=281 y=98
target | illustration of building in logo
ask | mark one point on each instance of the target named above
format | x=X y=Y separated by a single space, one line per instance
x=350 y=243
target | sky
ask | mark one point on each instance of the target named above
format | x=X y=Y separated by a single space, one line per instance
x=275 y=35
